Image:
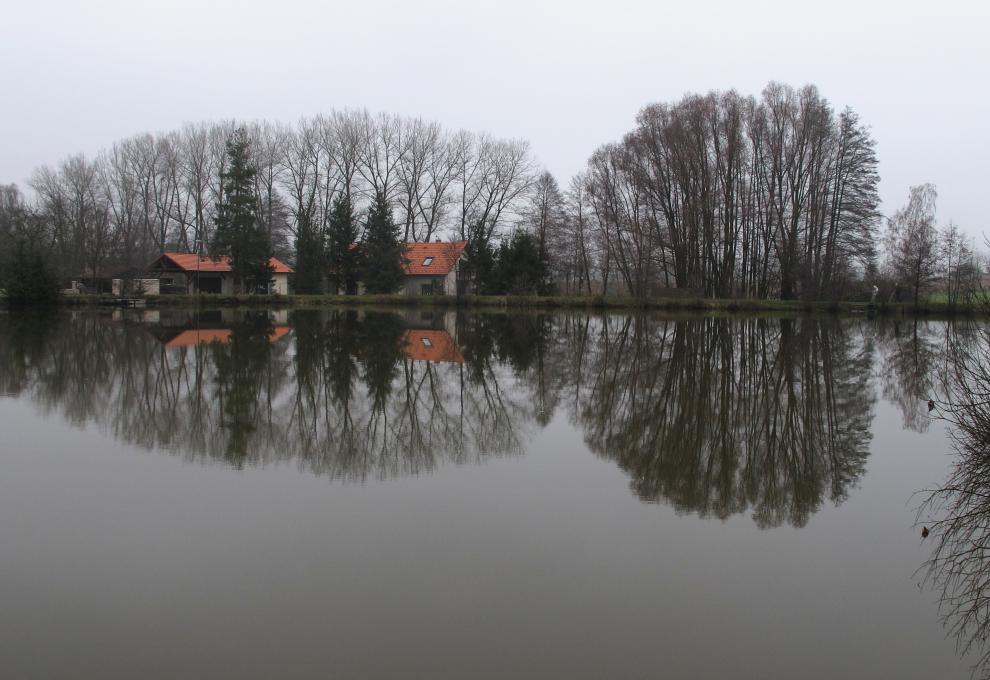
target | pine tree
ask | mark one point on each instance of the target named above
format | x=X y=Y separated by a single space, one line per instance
x=26 y=275
x=481 y=262
x=382 y=251
x=240 y=235
x=521 y=267
x=342 y=257
x=310 y=258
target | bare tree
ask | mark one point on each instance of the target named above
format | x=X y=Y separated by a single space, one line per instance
x=74 y=204
x=578 y=243
x=912 y=241
x=161 y=191
x=960 y=271
x=735 y=196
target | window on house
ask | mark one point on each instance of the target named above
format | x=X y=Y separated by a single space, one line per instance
x=427 y=262
x=426 y=289
x=426 y=343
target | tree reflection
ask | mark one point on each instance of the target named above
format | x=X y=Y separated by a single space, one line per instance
x=958 y=513
x=912 y=353
x=718 y=416
x=715 y=416
x=242 y=367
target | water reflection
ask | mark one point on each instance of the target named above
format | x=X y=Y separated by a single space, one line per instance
x=720 y=417
x=715 y=416
x=957 y=513
x=914 y=350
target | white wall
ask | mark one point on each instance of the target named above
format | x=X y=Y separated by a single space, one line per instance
x=412 y=285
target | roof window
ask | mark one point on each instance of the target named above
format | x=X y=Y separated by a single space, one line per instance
x=428 y=261
x=426 y=343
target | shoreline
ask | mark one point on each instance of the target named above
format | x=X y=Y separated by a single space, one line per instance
x=573 y=302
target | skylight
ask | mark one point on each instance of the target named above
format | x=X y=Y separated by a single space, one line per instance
x=426 y=342
x=427 y=262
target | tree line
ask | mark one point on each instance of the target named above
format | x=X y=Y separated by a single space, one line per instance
x=738 y=196
x=721 y=194
x=730 y=196
x=310 y=183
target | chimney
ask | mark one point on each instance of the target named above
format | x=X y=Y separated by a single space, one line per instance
x=437 y=240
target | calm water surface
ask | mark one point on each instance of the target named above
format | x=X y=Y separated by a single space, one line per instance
x=422 y=495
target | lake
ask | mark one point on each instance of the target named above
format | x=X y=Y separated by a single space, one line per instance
x=362 y=494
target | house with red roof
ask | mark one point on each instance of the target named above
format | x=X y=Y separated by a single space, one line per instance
x=191 y=273
x=434 y=268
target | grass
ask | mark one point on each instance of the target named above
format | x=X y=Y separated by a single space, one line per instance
x=981 y=297
x=931 y=306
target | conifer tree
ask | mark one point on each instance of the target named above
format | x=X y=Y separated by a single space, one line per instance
x=310 y=258
x=480 y=261
x=382 y=252
x=239 y=233
x=26 y=275
x=342 y=257
x=522 y=268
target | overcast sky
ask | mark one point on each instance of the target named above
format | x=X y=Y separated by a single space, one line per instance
x=567 y=76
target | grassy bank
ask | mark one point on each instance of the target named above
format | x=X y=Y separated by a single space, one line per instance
x=933 y=308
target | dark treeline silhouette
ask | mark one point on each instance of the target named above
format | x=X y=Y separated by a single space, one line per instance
x=713 y=416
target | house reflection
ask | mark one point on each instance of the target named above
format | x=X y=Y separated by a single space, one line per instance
x=434 y=346
x=427 y=338
x=199 y=336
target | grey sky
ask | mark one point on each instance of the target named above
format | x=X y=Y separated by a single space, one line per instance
x=567 y=76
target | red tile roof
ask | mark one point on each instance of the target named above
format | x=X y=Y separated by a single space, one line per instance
x=444 y=256
x=431 y=345
x=197 y=336
x=188 y=262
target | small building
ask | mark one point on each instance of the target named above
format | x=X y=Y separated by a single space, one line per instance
x=190 y=273
x=435 y=268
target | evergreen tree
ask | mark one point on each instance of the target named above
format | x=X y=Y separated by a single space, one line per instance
x=342 y=257
x=382 y=253
x=522 y=267
x=310 y=258
x=240 y=235
x=26 y=275
x=480 y=262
